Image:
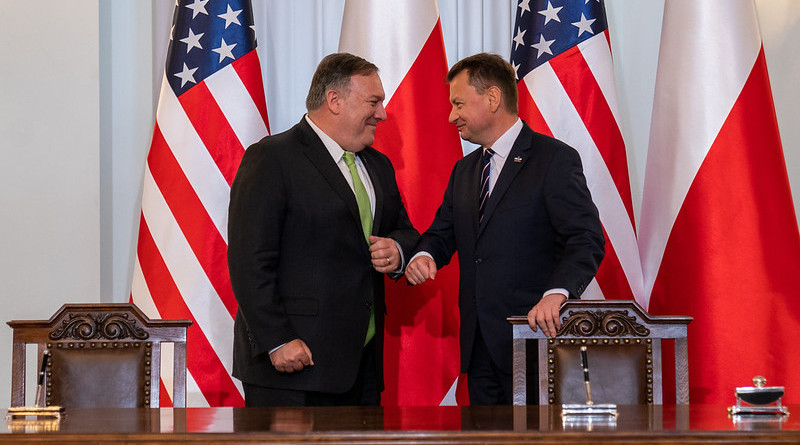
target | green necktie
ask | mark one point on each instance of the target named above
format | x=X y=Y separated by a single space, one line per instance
x=365 y=212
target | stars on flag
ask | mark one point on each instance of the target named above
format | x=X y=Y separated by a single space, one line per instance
x=198 y=7
x=230 y=17
x=524 y=6
x=193 y=56
x=193 y=40
x=224 y=51
x=552 y=27
x=551 y=13
x=584 y=25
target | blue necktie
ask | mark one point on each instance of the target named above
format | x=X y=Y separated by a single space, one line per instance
x=487 y=167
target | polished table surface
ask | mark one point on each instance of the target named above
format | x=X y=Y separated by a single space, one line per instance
x=665 y=424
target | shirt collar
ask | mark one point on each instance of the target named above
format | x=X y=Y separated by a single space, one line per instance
x=502 y=146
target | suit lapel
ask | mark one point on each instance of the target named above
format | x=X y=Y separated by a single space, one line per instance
x=517 y=158
x=475 y=189
x=319 y=156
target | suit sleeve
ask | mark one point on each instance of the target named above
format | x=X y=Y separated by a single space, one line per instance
x=401 y=229
x=439 y=240
x=255 y=223
x=576 y=221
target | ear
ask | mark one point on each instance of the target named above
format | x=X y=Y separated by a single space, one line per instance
x=333 y=100
x=495 y=97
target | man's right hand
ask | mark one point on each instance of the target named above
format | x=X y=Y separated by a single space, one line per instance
x=422 y=268
x=291 y=357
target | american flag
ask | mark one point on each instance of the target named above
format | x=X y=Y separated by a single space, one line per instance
x=210 y=109
x=561 y=53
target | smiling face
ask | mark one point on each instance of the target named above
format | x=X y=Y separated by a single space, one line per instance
x=360 y=110
x=471 y=112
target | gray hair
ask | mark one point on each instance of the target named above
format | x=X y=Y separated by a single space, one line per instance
x=334 y=73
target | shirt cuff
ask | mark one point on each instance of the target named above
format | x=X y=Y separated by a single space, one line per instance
x=419 y=254
x=402 y=266
x=276 y=348
x=557 y=290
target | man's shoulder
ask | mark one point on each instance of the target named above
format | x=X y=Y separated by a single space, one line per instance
x=373 y=155
x=285 y=142
x=543 y=143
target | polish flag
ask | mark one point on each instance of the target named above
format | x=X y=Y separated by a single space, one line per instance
x=718 y=232
x=404 y=39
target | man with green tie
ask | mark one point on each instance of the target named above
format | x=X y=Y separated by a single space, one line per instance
x=315 y=221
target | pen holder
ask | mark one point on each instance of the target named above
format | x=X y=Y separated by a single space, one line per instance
x=589 y=408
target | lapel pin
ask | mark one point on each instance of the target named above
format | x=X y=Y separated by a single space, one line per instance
x=518 y=159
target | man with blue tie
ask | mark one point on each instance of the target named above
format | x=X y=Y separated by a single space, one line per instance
x=315 y=221
x=521 y=218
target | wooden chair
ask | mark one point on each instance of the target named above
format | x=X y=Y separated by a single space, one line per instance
x=100 y=355
x=623 y=349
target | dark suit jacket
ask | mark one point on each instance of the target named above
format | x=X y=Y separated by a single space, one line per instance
x=299 y=264
x=540 y=231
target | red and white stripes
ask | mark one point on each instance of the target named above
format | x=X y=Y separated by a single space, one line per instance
x=181 y=259
x=573 y=98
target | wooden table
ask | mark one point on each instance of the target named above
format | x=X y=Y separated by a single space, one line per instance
x=667 y=424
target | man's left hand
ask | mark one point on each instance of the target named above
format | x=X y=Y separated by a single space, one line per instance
x=546 y=314
x=385 y=256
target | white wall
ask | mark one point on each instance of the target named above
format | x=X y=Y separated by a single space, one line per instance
x=78 y=87
x=49 y=146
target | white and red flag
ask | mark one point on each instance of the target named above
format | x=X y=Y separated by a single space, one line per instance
x=210 y=109
x=562 y=56
x=718 y=233
x=404 y=39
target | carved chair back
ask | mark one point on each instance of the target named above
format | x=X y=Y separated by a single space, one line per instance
x=100 y=355
x=623 y=350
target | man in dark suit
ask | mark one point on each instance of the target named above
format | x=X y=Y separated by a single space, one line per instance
x=526 y=230
x=315 y=220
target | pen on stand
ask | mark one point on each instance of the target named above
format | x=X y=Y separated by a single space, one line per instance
x=586 y=383
x=40 y=384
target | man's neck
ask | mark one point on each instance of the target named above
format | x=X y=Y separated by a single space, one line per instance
x=502 y=124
